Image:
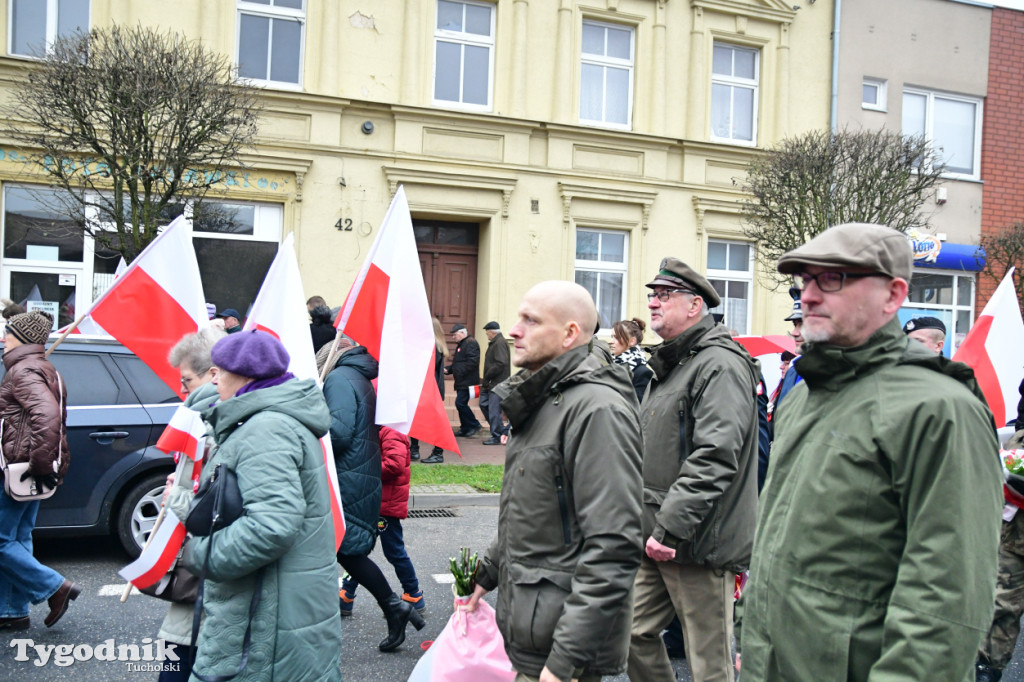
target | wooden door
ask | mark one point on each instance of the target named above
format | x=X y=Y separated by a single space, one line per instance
x=450 y=280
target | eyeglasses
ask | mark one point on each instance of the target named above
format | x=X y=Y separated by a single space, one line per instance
x=187 y=381
x=830 y=282
x=664 y=294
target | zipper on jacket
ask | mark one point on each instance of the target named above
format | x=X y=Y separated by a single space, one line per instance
x=563 y=507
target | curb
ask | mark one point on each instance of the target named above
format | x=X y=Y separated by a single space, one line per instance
x=434 y=500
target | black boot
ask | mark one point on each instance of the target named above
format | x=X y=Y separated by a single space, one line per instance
x=414 y=454
x=398 y=613
x=436 y=457
x=985 y=673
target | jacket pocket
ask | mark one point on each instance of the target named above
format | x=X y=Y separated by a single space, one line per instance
x=536 y=600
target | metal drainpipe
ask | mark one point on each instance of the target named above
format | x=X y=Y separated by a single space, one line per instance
x=834 y=105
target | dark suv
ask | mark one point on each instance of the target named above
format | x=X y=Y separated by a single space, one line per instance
x=117 y=409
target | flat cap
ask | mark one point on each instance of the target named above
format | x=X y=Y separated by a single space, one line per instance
x=675 y=273
x=854 y=245
x=492 y=326
x=230 y=312
x=456 y=328
x=924 y=322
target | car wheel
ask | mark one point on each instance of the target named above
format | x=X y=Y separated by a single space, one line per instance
x=137 y=514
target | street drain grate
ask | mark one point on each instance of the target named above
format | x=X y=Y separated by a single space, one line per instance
x=432 y=514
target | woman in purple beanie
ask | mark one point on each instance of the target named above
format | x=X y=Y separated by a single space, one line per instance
x=266 y=429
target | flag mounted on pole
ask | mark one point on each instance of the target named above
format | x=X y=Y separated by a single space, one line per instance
x=386 y=311
x=154 y=302
x=993 y=349
x=159 y=554
x=280 y=310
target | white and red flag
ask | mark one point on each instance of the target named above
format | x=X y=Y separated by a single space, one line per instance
x=159 y=554
x=183 y=433
x=280 y=310
x=474 y=392
x=154 y=302
x=993 y=349
x=386 y=311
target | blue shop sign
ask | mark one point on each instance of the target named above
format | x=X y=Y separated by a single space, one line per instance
x=930 y=252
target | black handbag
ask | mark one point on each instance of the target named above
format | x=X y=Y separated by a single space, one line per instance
x=217 y=503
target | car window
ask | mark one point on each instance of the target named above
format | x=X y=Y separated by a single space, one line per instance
x=88 y=381
x=150 y=388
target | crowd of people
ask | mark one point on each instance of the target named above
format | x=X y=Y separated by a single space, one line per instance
x=638 y=489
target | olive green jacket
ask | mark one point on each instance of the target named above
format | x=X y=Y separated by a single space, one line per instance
x=699 y=420
x=568 y=544
x=875 y=555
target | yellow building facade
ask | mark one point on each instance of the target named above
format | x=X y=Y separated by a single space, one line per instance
x=535 y=139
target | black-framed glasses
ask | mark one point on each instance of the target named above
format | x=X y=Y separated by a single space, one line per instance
x=664 y=294
x=830 y=281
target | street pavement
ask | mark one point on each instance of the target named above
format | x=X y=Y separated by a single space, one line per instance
x=98 y=615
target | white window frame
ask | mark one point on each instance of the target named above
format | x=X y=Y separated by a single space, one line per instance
x=954 y=308
x=605 y=62
x=466 y=39
x=51 y=27
x=272 y=12
x=734 y=83
x=881 y=94
x=600 y=266
x=726 y=275
x=929 y=111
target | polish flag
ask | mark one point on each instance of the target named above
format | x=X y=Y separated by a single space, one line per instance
x=154 y=302
x=280 y=310
x=992 y=349
x=386 y=311
x=474 y=392
x=159 y=555
x=183 y=433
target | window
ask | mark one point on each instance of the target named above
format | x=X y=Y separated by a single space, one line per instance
x=731 y=273
x=270 y=40
x=949 y=297
x=873 y=94
x=734 y=80
x=33 y=25
x=601 y=257
x=952 y=123
x=606 y=75
x=464 y=53
x=235 y=245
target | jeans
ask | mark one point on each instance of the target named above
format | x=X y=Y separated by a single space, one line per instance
x=22 y=578
x=392 y=543
x=466 y=418
x=491 y=405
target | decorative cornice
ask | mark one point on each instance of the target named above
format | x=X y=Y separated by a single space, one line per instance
x=767 y=10
x=619 y=196
x=416 y=176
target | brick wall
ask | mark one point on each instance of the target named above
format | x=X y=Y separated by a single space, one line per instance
x=1002 y=145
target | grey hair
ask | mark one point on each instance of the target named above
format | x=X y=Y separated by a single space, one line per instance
x=193 y=350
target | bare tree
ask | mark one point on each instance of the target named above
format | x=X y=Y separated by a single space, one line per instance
x=1002 y=251
x=810 y=182
x=129 y=122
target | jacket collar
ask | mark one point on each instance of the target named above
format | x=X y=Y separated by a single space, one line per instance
x=21 y=352
x=831 y=367
x=666 y=356
x=524 y=393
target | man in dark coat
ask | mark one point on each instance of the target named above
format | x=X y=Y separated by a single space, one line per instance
x=465 y=368
x=496 y=370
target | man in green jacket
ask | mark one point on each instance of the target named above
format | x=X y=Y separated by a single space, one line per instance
x=699 y=420
x=875 y=554
x=568 y=541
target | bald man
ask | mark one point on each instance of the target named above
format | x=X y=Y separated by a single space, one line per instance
x=568 y=542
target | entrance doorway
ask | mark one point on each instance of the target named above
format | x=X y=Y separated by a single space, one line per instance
x=448 y=259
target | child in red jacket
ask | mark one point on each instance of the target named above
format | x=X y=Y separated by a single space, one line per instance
x=394 y=506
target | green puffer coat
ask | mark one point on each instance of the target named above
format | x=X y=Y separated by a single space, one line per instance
x=568 y=544
x=875 y=553
x=269 y=438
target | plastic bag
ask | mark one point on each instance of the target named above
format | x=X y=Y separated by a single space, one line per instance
x=469 y=649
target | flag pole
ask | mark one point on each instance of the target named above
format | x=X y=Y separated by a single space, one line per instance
x=74 y=325
x=331 y=357
x=178 y=472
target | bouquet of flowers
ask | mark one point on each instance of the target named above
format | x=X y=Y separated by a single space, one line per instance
x=1013 y=472
x=464 y=571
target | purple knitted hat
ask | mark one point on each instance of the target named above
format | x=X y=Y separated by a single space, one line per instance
x=253 y=354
